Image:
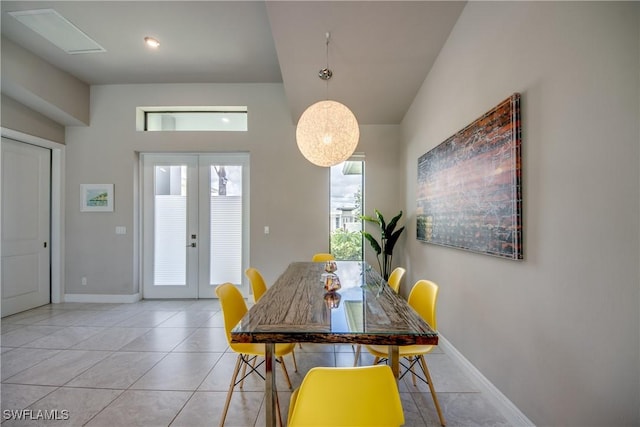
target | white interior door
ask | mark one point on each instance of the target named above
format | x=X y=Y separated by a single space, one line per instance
x=195 y=224
x=26 y=212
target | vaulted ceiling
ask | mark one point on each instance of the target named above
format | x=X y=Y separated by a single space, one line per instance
x=380 y=51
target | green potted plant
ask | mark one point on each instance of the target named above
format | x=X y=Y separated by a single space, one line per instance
x=388 y=238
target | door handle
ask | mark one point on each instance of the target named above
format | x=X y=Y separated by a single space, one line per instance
x=192 y=245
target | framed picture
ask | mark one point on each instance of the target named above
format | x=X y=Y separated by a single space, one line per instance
x=96 y=197
x=469 y=187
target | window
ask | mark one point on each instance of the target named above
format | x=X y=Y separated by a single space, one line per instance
x=170 y=220
x=217 y=119
x=347 y=182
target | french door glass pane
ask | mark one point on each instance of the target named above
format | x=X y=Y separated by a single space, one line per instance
x=170 y=222
x=225 y=224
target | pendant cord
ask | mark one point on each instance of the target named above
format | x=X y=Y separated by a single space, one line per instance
x=328 y=35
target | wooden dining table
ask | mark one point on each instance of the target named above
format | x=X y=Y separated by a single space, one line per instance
x=298 y=309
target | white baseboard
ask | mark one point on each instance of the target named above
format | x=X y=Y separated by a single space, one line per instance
x=514 y=416
x=102 y=298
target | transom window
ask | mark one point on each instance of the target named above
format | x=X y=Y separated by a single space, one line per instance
x=213 y=119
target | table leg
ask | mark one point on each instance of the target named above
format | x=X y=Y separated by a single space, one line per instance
x=270 y=385
x=394 y=358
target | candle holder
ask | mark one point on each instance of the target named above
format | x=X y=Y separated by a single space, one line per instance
x=331 y=282
x=332 y=300
x=330 y=266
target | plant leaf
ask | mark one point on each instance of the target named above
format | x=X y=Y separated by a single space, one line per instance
x=392 y=224
x=368 y=219
x=391 y=241
x=383 y=225
x=374 y=243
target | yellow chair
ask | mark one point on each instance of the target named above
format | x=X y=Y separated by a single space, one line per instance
x=233 y=309
x=395 y=278
x=362 y=396
x=322 y=257
x=258 y=285
x=422 y=298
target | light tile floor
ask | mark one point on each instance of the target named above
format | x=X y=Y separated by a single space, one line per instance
x=166 y=363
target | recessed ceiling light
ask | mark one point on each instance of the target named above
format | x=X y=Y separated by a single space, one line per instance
x=151 y=42
x=58 y=30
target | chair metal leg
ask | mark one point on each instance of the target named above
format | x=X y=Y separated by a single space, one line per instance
x=357 y=355
x=234 y=378
x=230 y=392
x=433 y=391
x=284 y=371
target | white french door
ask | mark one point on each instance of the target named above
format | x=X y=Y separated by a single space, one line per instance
x=195 y=223
x=26 y=213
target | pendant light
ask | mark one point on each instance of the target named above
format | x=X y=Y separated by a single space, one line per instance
x=327 y=132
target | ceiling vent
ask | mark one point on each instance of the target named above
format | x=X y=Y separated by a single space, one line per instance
x=58 y=30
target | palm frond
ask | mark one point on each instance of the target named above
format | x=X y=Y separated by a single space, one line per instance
x=373 y=242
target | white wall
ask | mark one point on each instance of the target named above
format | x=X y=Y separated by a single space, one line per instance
x=20 y=118
x=63 y=97
x=288 y=193
x=557 y=333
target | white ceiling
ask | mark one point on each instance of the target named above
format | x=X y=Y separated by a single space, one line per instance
x=380 y=51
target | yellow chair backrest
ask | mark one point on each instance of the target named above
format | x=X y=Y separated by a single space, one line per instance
x=322 y=257
x=395 y=278
x=422 y=298
x=360 y=396
x=233 y=307
x=258 y=286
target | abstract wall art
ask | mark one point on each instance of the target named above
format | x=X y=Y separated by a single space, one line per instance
x=469 y=187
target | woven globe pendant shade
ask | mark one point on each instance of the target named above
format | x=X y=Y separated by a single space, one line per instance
x=327 y=133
